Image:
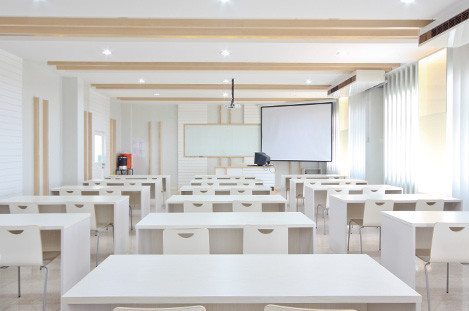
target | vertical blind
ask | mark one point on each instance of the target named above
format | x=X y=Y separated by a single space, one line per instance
x=401 y=127
x=332 y=167
x=357 y=135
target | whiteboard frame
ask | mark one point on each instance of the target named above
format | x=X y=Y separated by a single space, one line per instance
x=221 y=124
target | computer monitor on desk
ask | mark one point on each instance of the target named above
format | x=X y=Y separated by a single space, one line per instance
x=261 y=159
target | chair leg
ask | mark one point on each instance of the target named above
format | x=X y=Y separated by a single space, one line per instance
x=379 y=230
x=447 y=277
x=427 y=284
x=97 y=248
x=44 y=294
x=348 y=237
x=131 y=222
x=324 y=219
x=361 y=240
x=19 y=282
x=316 y=215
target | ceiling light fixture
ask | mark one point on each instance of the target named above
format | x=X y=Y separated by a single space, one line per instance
x=308 y=82
x=224 y=1
x=226 y=81
x=225 y=94
x=141 y=81
x=156 y=94
x=106 y=52
x=225 y=53
x=341 y=53
x=407 y=1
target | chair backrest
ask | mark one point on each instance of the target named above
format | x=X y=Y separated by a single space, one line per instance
x=203 y=191
x=241 y=191
x=24 y=208
x=265 y=240
x=97 y=183
x=69 y=192
x=186 y=241
x=332 y=192
x=247 y=206
x=209 y=183
x=110 y=192
x=285 y=308
x=373 y=209
x=189 y=308
x=373 y=191
x=132 y=183
x=247 y=183
x=86 y=208
x=430 y=205
x=20 y=246
x=197 y=207
x=347 y=182
x=449 y=243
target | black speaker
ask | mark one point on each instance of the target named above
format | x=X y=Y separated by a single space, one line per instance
x=261 y=159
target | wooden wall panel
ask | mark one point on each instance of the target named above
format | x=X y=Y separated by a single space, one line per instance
x=36 y=153
x=112 y=145
x=45 y=147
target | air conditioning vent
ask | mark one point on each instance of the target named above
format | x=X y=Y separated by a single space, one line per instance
x=342 y=85
x=438 y=30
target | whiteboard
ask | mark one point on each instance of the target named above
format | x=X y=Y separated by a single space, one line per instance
x=221 y=140
x=301 y=132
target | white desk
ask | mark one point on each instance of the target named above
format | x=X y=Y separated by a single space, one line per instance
x=139 y=196
x=225 y=230
x=156 y=187
x=224 y=177
x=317 y=194
x=242 y=282
x=297 y=187
x=225 y=190
x=224 y=203
x=67 y=233
x=404 y=232
x=286 y=178
x=264 y=173
x=165 y=180
x=113 y=209
x=228 y=182
x=344 y=207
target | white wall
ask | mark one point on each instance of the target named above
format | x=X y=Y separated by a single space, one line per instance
x=11 y=132
x=40 y=81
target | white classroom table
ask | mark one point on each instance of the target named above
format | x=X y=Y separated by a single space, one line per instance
x=404 y=232
x=156 y=186
x=165 y=180
x=297 y=187
x=225 y=190
x=343 y=207
x=242 y=282
x=285 y=183
x=68 y=234
x=317 y=194
x=225 y=230
x=113 y=209
x=224 y=203
x=223 y=177
x=231 y=182
x=137 y=194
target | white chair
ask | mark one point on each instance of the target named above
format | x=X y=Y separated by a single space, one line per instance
x=449 y=244
x=22 y=246
x=97 y=183
x=285 y=308
x=325 y=207
x=190 y=308
x=247 y=183
x=116 y=192
x=247 y=207
x=265 y=240
x=203 y=191
x=209 y=183
x=24 y=208
x=186 y=241
x=88 y=208
x=197 y=207
x=433 y=205
x=371 y=218
x=241 y=191
x=64 y=192
x=347 y=182
x=373 y=191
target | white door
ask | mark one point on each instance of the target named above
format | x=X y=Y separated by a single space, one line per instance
x=99 y=155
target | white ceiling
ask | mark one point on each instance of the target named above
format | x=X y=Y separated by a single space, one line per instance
x=41 y=50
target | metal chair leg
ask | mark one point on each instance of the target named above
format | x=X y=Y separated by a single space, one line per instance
x=44 y=295
x=427 y=284
x=19 y=282
x=316 y=215
x=97 y=247
x=324 y=220
x=361 y=240
x=131 y=216
x=379 y=229
x=348 y=237
x=447 y=277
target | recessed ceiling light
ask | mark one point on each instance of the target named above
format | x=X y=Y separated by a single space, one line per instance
x=341 y=53
x=226 y=81
x=224 y=1
x=407 y=1
x=225 y=94
x=106 y=52
x=225 y=53
x=156 y=94
x=308 y=82
x=141 y=81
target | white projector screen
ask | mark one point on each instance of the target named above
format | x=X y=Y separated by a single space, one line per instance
x=300 y=132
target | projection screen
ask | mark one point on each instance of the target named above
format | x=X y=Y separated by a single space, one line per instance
x=300 y=132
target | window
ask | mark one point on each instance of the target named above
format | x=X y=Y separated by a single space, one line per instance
x=98 y=148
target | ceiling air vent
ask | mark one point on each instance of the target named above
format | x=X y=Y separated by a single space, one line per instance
x=438 y=30
x=359 y=81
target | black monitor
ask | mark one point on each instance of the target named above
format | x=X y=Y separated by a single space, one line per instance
x=261 y=159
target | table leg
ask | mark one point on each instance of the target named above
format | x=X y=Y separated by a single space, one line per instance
x=338 y=225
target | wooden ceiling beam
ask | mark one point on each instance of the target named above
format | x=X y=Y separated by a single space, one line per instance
x=149 y=86
x=216 y=99
x=219 y=66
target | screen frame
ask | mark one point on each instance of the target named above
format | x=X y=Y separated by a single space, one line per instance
x=331 y=103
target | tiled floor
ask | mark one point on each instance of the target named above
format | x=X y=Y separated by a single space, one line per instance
x=32 y=281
